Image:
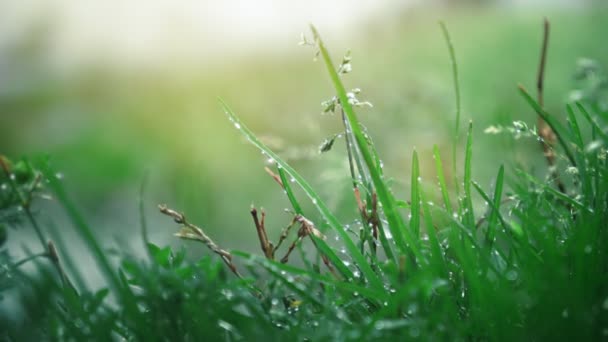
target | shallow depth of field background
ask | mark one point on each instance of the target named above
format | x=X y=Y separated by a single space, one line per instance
x=117 y=90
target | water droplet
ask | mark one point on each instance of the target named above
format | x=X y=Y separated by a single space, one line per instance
x=59 y=175
x=565 y=313
x=227 y=293
x=511 y=275
x=237 y=125
x=588 y=249
x=605 y=304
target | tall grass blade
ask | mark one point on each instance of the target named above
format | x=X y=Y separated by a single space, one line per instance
x=415 y=197
x=448 y=40
x=495 y=214
x=403 y=237
x=469 y=216
x=442 y=185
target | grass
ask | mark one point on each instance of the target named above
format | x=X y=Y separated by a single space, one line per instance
x=530 y=265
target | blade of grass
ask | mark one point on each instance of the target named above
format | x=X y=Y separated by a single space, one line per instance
x=574 y=128
x=469 y=216
x=403 y=237
x=84 y=231
x=495 y=214
x=82 y=228
x=415 y=197
x=448 y=40
x=444 y=189
x=495 y=210
x=580 y=153
x=289 y=192
x=333 y=222
x=558 y=129
x=436 y=253
x=592 y=122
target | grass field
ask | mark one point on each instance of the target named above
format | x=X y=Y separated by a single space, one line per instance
x=417 y=233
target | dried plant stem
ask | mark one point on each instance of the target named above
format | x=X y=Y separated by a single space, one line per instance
x=266 y=246
x=192 y=232
x=544 y=131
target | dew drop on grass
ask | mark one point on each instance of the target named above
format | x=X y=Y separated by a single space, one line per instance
x=228 y=294
x=3 y=186
x=511 y=275
x=588 y=249
x=346 y=263
x=605 y=304
x=274 y=301
x=565 y=313
x=237 y=125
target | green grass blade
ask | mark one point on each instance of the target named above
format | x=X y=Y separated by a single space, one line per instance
x=289 y=192
x=592 y=122
x=495 y=210
x=448 y=41
x=469 y=216
x=415 y=197
x=560 y=132
x=442 y=185
x=574 y=128
x=403 y=237
x=325 y=249
x=333 y=222
x=436 y=253
x=82 y=228
x=496 y=204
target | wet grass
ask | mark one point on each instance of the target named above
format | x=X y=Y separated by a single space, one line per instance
x=530 y=264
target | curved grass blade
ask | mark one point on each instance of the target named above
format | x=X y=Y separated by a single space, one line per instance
x=448 y=40
x=333 y=222
x=403 y=237
x=558 y=129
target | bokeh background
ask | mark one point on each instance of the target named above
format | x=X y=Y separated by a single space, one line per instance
x=116 y=90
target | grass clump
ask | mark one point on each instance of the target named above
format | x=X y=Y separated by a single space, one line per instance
x=531 y=264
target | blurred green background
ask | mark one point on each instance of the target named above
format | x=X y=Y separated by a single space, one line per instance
x=135 y=92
